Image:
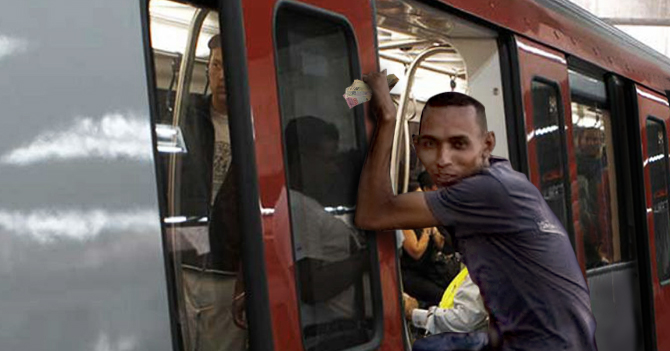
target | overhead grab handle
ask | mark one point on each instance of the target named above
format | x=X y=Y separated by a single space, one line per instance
x=401 y=124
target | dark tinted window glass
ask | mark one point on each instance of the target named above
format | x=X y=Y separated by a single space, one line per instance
x=549 y=147
x=196 y=168
x=323 y=157
x=658 y=173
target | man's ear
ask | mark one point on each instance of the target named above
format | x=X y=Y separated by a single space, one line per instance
x=489 y=143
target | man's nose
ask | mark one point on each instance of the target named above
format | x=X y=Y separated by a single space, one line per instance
x=444 y=156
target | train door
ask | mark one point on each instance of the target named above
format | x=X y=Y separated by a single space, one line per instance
x=600 y=118
x=328 y=282
x=547 y=114
x=654 y=117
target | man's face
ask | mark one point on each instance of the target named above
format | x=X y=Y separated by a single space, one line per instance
x=451 y=145
x=216 y=76
x=590 y=142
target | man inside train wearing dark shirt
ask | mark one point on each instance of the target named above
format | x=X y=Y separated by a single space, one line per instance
x=211 y=275
x=515 y=248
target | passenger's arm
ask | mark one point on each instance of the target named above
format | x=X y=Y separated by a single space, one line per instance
x=468 y=313
x=437 y=238
x=378 y=208
x=415 y=248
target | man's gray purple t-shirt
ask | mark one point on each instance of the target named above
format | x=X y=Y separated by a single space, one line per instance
x=520 y=256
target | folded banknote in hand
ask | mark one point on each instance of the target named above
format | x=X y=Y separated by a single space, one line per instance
x=359 y=92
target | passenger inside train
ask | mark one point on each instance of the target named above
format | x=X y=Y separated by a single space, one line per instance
x=426 y=270
x=461 y=310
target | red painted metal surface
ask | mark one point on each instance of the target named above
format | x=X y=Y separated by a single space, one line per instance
x=259 y=22
x=555 y=30
x=652 y=104
x=538 y=61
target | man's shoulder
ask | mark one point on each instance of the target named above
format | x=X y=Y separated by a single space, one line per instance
x=483 y=182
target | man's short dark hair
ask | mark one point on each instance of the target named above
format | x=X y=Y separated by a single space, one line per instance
x=457 y=99
x=214 y=42
x=425 y=181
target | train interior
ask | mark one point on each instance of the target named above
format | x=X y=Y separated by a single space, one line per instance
x=433 y=51
x=438 y=52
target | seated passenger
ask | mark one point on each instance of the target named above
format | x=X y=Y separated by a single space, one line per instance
x=425 y=271
x=460 y=311
x=328 y=252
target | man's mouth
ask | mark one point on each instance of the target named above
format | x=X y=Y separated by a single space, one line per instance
x=446 y=178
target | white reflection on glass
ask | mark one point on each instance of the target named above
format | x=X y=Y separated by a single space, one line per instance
x=176 y=219
x=46 y=226
x=169 y=139
x=546 y=130
x=113 y=136
x=11 y=46
x=124 y=343
x=653 y=159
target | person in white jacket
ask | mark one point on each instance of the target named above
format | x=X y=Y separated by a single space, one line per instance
x=460 y=311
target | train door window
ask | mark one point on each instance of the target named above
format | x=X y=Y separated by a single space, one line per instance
x=550 y=146
x=596 y=172
x=658 y=173
x=199 y=208
x=324 y=151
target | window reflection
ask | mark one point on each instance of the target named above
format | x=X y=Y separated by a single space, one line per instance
x=323 y=156
x=658 y=175
x=596 y=176
x=549 y=147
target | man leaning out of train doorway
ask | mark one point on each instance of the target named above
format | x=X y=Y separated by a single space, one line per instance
x=515 y=248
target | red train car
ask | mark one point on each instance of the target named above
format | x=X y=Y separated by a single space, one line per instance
x=216 y=209
x=577 y=105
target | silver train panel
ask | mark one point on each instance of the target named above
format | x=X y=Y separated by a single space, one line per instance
x=81 y=265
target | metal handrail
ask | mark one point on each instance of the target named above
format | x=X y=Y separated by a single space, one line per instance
x=183 y=87
x=187 y=63
x=401 y=124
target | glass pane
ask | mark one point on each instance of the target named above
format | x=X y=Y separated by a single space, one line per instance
x=324 y=154
x=549 y=147
x=195 y=166
x=658 y=174
x=596 y=177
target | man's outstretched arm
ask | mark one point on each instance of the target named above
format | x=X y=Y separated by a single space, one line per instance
x=377 y=207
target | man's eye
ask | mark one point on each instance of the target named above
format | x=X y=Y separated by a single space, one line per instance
x=428 y=143
x=458 y=145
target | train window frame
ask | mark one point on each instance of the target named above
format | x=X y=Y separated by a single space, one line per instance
x=563 y=153
x=360 y=129
x=241 y=138
x=666 y=158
